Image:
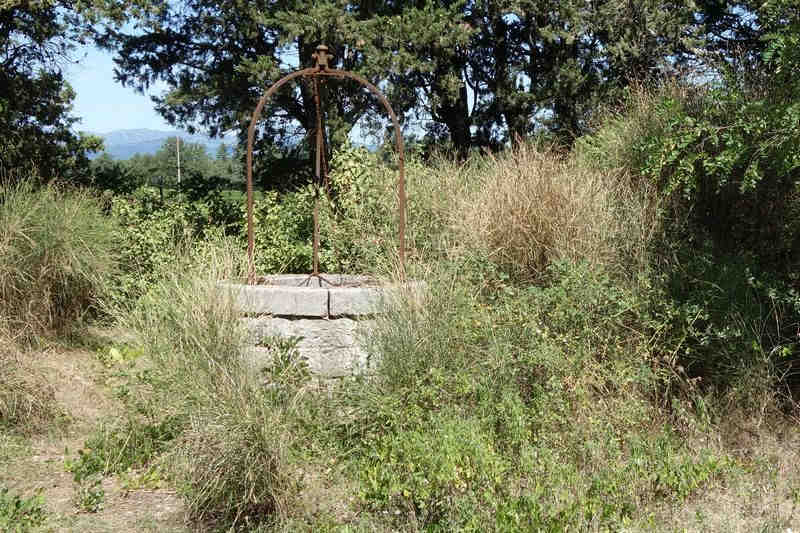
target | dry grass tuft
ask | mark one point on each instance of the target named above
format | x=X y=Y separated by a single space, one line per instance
x=231 y=460
x=27 y=400
x=532 y=207
x=55 y=257
x=233 y=464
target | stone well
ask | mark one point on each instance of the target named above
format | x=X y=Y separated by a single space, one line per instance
x=328 y=313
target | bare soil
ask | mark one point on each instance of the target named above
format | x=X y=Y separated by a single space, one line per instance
x=38 y=463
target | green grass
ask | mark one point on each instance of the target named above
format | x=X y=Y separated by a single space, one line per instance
x=55 y=258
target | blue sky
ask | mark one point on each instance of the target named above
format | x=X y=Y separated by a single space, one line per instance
x=105 y=105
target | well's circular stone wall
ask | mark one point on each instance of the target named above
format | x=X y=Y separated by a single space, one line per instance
x=328 y=314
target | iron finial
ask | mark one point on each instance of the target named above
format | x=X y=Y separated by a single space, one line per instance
x=321 y=57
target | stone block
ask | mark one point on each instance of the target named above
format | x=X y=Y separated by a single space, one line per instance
x=332 y=348
x=355 y=301
x=286 y=301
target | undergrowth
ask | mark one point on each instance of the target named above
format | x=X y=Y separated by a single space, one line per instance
x=584 y=345
x=529 y=410
x=21 y=515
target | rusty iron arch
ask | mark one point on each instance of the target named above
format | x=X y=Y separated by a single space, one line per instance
x=320 y=70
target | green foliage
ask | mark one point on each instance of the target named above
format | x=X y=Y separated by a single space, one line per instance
x=90 y=495
x=151 y=229
x=117 y=447
x=283 y=231
x=20 y=515
x=734 y=329
x=724 y=160
x=148 y=234
x=519 y=408
x=114 y=176
x=359 y=222
x=436 y=474
x=56 y=258
x=35 y=100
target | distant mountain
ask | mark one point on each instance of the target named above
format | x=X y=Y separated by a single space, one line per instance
x=123 y=144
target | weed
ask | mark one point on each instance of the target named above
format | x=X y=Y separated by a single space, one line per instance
x=90 y=495
x=286 y=366
x=153 y=477
x=20 y=515
x=115 y=448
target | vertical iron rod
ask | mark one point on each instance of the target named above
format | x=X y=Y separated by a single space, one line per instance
x=317 y=177
x=322 y=68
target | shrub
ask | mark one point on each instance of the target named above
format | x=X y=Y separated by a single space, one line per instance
x=148 y=233
x=56 y=258
x=724 y=162
x=360 y=232
x=20 y=515
x=518 y=408
x=283 y=229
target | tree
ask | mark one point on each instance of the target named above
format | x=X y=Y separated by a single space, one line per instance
x=219 y=57
x=478 y=72
x=109 y=174
x=193 y=161
x=35 y=100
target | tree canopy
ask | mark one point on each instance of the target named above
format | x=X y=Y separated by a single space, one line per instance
x=470 y=72
x=36 y=39
x=476 y=72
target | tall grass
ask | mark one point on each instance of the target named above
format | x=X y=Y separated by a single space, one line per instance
x=56 y=257
x=532 y=207
x=231 y=458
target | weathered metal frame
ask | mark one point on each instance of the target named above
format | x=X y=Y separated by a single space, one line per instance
x=319 y=71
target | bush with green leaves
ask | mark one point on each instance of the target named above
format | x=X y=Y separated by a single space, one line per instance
x=519 y=408
x=148 y=233
x=57 y=258
x=725 y=163
x=283 y=229
x=150 y=228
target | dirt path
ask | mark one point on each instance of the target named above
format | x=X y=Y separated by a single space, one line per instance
x=39 y=463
